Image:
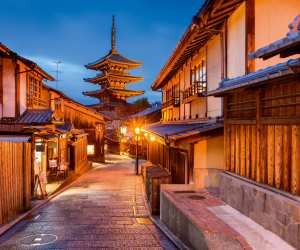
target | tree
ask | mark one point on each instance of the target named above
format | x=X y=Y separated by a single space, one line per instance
x=141 y=104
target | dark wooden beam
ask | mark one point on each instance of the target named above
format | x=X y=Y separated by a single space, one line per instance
x=250 y=35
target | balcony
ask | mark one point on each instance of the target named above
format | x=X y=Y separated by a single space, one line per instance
x=196 y=90
x=174 y=102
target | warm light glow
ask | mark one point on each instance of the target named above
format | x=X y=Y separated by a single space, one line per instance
x=90 y=149
x=152 y=138
x=146 y=134
x=137 y=130
x=123 y=130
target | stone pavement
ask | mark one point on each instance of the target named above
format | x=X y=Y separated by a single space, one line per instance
x=103 y=209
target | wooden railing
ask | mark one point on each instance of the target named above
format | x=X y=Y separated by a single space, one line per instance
x=34 y=101
x=196 y=89
x=175 y=101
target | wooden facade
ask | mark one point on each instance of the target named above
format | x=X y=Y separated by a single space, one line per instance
x=262 y=134
x=15 y=179
x=178 y=162
x=80 y=159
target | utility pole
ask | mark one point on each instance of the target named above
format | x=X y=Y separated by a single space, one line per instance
x=57 y=72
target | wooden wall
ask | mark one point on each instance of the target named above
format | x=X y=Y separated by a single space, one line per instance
x=15 y=179
x=174 y=160
x=80 y=154
x=262 y=134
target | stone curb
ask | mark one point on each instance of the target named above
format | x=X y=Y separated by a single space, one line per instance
x=156 y=221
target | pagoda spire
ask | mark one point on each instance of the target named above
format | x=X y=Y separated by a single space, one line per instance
x=113 y=35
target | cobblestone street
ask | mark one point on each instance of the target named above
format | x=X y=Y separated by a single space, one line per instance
x=102 y=209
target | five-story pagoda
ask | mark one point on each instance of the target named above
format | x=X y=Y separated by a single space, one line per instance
x=113 y=78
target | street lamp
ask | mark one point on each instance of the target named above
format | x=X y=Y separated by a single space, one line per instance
x=137 y=131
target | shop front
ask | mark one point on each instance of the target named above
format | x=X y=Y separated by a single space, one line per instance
x=51 y=163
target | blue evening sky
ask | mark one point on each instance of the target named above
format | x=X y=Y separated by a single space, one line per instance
x=77 y=32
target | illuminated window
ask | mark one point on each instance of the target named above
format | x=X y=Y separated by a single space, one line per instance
x=90 y=149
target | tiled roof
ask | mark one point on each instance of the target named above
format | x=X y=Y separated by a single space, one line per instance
x=147 y=111
x=13 y=138
x=112 y=57
x=178 y=131
x=124 y=76
x=277 y=46
x=285 y=47
x=258 y=77
x=37 y=116
x=66 y=127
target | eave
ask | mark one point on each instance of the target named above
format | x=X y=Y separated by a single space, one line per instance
x=32 y=65
x=127 y=78
x=115 y=92
x=113 y=58
x=205 y=24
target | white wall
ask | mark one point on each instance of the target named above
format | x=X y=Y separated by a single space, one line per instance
x=23 y=90
x=214 y=65
x=8 y=88
x=208 y=161
x=236 y=43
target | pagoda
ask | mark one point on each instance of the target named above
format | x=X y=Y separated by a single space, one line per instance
x=112 y=80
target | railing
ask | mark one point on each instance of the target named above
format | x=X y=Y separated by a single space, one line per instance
x=175 y=101
x=197 y=89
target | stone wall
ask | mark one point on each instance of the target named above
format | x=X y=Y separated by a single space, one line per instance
x=275 y=210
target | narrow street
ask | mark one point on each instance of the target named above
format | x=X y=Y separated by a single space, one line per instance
x=104 y=208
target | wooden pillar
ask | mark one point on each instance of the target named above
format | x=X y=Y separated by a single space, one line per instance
x=250 y=35
x=295 y=175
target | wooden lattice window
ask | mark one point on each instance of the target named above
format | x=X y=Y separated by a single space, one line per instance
x=281 y=101
x=34 y=91
x=241 y=105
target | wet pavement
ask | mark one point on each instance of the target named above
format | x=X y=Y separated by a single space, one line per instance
x=103 y=209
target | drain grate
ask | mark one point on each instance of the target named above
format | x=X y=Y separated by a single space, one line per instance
x=38 y=239
x=197 y=197
x=184 y=192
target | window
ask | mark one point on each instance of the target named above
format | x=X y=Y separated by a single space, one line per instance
x=34 y=91
x=198 y=81
x=91 y=149
x=199 y=73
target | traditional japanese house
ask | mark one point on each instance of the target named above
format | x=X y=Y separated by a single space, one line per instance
x=23 y=114
x=259 y=108
x=213 y=48
x=41 y=133
x=83 y=118
x=261 y=116
x=112 y=80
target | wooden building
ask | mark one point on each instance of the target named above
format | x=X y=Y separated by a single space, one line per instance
x=214 y=47
x=261 y=119
x=112 y=93
x=43 y=133
x=83 y=118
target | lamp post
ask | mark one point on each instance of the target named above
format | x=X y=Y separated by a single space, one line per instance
x=137 y=131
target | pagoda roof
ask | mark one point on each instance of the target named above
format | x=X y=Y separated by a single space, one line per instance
x=124 y=92
x=113 y=57
x=113 y=75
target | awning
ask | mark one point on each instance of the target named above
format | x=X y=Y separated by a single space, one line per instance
x=7 y=138
x=175 y=132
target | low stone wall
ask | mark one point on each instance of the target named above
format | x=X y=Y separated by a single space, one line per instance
x=192 y=222
x=207 y=177
x=275 y=210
